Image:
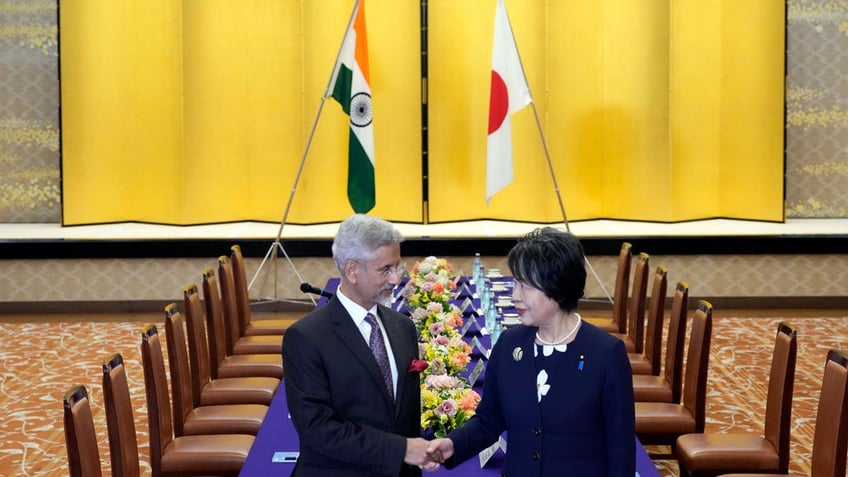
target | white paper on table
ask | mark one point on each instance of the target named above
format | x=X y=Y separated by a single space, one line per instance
x=487 y=453
x=476 y=372
x=280 y=456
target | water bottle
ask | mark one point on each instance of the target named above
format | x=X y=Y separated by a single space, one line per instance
x=491 y=312
x=486 y=297
x=496 y=333
x=475 y=269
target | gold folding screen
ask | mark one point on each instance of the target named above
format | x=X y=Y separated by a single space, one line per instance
x=652 y=110
x=198 y=111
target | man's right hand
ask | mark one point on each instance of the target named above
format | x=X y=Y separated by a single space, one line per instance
x=442 y=447
x=416 y=452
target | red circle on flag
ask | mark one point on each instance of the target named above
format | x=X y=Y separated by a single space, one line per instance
x=498 y=102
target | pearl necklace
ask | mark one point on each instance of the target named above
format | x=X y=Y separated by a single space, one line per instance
x=564 y=338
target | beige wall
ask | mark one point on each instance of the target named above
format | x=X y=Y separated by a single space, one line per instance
x=115 y=284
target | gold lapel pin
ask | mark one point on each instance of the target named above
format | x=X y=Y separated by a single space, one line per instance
x=517 y=353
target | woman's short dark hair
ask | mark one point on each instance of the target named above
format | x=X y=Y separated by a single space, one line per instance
x=552 y=261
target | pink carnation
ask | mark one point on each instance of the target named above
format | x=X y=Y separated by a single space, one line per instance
x=441 y=381
x=419 y=314
x=446 y=408
x=441 y=340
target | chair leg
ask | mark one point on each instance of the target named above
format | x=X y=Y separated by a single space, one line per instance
x=683 y=472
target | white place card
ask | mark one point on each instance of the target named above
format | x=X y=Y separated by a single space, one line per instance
x=283 y=457
x=470 y=322
x=465 y=305
x=476 y=371
x=488 y=452
x=477 y=345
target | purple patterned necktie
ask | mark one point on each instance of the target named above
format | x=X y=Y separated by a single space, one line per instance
x=378 y=347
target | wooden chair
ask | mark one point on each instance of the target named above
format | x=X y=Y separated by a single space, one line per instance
x=247 y=325
x=830 y=442
x=618 y=322
x=634 y=338
x=123 y=443
x=80 y=436
x=237 y=343
x=649 y=360
x=190 y=419
x=205 y=390
x=219 y=454
x=668 y=386
x=659 y=423
x=712 y=454
x=238 y=365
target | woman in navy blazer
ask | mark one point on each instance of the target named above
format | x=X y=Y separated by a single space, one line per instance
x=561 y=388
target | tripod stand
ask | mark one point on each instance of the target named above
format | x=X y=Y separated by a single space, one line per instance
x=278 y=245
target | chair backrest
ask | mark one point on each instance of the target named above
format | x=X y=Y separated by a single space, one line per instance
x=830 y=442
x=781 y=383
x=123 y=443
x=697 y=364
x=240 y=287
x=622 y=287
x=638 y=297
x=156 y=390
x=228 y=300
x=181 y=392
x=673 y=370
x=198 y=349
x=656 y=318
x=215 y=327
x=80 y=436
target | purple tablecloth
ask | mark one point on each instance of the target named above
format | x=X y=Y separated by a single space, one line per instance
x=277 y=433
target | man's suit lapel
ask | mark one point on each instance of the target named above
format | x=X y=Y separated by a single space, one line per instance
x=352 y=338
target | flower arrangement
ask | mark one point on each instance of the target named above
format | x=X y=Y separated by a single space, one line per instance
x=436 y=319
x=430 y=281
x=446 y=354
x=447 y=401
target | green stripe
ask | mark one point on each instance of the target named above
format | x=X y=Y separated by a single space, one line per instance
x=341 y=90
x=360 y=178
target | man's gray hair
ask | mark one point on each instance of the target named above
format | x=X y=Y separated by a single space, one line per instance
x=359 y=237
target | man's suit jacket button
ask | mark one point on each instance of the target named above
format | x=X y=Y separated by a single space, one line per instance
x=537 y=432
x=535 y=456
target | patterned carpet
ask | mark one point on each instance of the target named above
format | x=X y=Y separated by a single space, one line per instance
x=40 y=361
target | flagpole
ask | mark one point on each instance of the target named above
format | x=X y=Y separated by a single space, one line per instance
x=278 y=241
x=559 y=195
x=547 y=154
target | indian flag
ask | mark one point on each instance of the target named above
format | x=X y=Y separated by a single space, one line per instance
x=350 y=85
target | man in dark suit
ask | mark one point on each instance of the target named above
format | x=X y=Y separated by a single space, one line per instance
x=354 y=416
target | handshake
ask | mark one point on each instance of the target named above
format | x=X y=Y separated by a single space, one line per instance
x=429 y=455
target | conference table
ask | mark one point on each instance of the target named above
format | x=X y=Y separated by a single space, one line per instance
x=276 y=445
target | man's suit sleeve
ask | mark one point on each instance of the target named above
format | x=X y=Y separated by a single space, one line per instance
x=322 y=429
